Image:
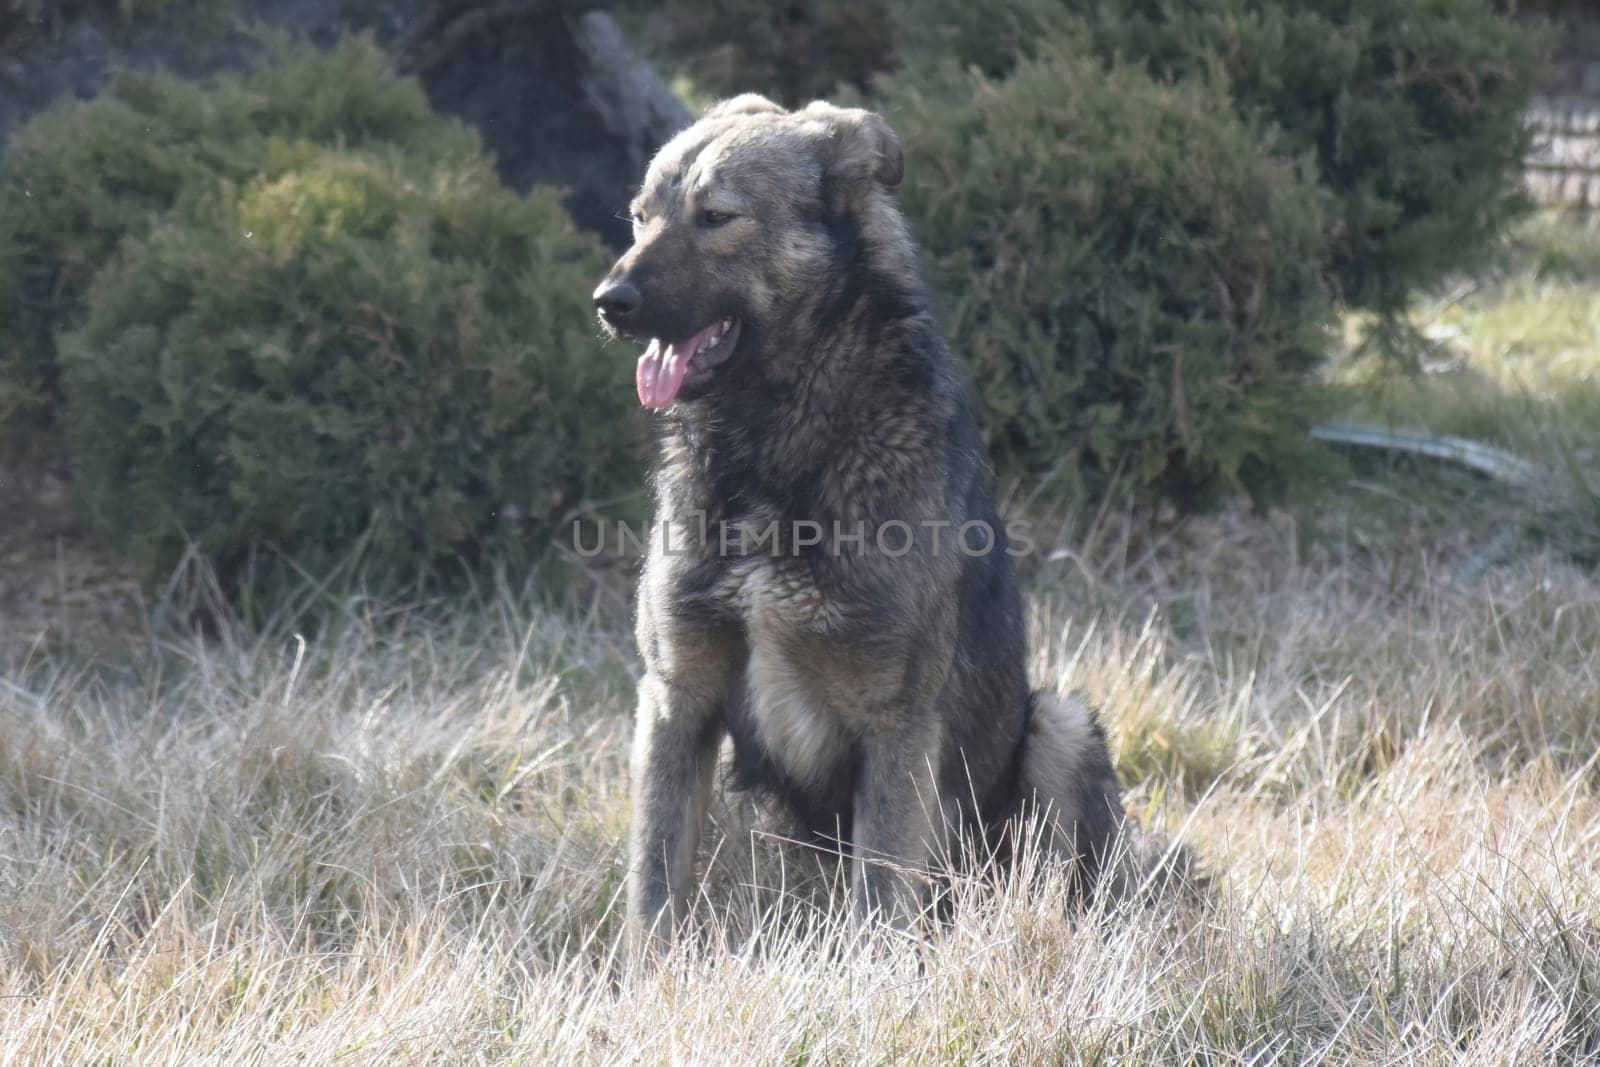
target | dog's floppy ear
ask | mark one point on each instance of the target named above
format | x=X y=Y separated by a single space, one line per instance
x=743 y=104
x=861 y=146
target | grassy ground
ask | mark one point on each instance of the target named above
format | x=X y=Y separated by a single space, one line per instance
x=398 y=841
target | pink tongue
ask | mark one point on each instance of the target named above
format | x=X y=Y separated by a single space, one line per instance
x=660 y=374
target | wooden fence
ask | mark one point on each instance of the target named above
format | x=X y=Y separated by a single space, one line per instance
x=1564 y=165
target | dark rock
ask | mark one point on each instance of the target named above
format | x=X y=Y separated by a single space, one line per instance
x=557 y=95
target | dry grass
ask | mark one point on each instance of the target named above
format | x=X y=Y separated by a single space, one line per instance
x=400 y=841
x=400 y=844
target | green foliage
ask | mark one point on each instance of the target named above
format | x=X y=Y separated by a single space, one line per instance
x=340 y=355
x=1134 y=277
x=794 y=52
x=297 y=310
x=1411 y=109
x=73 y=183
x=83 y=177
x=25 y=23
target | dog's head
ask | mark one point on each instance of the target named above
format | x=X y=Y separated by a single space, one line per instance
x=732 y=226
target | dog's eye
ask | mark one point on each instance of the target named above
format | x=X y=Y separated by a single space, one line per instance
x=709 y=217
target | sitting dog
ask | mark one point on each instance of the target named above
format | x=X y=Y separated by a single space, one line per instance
x=827 y=580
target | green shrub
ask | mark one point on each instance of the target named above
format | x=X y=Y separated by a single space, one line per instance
x=351 y=350
x=79 y=179
x=1410 y=108
x=1135 y=280
x=295 y=309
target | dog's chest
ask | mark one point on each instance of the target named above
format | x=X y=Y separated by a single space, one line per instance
x=758 y=570
x=797 y=705
x=771 y=571
x=788 y=716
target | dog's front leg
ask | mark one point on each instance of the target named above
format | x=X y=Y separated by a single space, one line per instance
x=897 y=824
x=675 y=743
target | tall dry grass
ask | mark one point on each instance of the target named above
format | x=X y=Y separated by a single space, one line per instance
x=400 y=841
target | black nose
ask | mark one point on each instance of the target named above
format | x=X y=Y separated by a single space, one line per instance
x=617 y=300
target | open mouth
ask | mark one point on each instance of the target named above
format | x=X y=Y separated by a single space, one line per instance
x=665 y=369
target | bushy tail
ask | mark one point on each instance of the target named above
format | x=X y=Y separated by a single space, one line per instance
x=1069 y=781
x=1150 y=868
